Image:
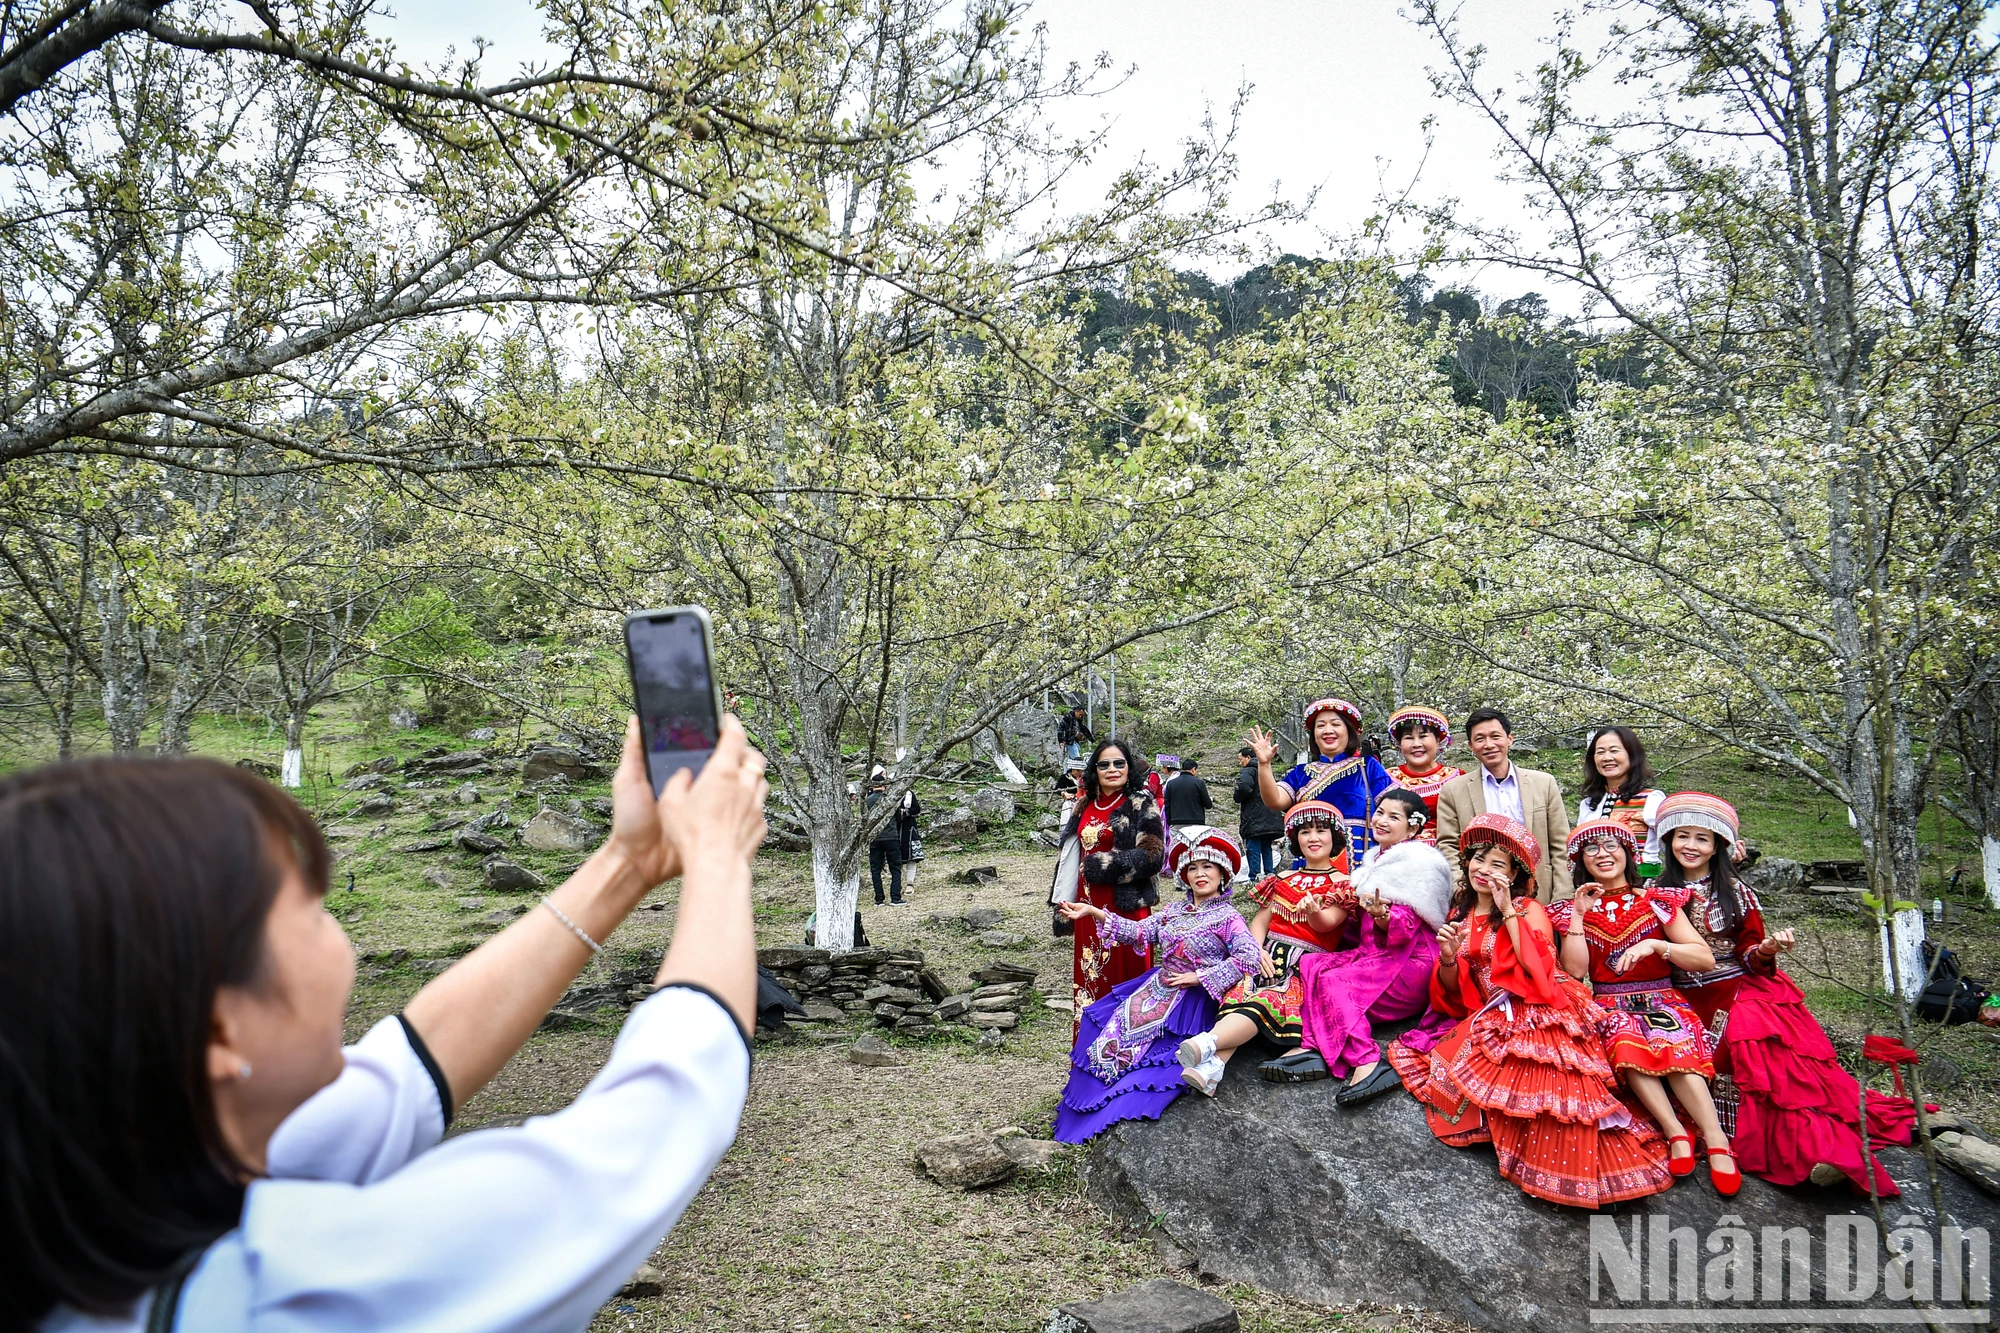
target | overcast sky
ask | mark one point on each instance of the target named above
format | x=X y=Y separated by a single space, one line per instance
x=1338 y=92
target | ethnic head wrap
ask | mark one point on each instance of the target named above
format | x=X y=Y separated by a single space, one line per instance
x=1430 y=717
x=1317 y=814
x=1501 y=831
x=1213 y=846
x=1697 y=809
x=1340 y=706
x=1602 y=830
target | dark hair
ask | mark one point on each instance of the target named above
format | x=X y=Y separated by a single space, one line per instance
x=1464 y=898
x=1412 y=804
x=1721 y=879
x=1190 y=765
x=1480 y=715
x=131 y=890
x=1641 y=776
x=1246 y=753
x=1135 y=768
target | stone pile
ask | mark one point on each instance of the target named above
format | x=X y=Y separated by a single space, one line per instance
x=996 y=1004
x=894 y=985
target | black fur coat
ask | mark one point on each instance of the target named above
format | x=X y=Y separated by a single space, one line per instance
x=1132 y=864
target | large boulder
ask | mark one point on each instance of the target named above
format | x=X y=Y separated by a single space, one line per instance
x=956 y=825
x=1158 y=1306
x=1276 y=1186
x=994 y=805
x=554 y=831
x=1775 y=874
x=557 y=761
x=969 y=1161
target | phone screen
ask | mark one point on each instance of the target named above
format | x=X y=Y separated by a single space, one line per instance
x=671 y=677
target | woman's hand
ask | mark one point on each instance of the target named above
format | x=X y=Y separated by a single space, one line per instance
x=1268 y=966
x=637 y=836
x=1782 y=942
x=1451 y=938
x=1644 y=949
x=1262 y=744
x=1376 y=907
x=719 y=816
x=1183 y=980
x=1078 y=911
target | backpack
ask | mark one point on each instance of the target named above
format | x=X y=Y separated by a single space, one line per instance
x=1950 y=997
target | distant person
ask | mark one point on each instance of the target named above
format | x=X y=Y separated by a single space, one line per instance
x=1073 y=733
x=909 y=846
x=1258 y=823
x=1499 y=786
x=1618 y=784
x=885 y=844
x=1069 y=784
x=187 y=1143
x=1188 y=801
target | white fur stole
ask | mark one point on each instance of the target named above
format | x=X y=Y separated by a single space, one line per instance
x=1412 y=873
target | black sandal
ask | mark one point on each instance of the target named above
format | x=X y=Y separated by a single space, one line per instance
x=1301 y=1066
x=1384 y=1078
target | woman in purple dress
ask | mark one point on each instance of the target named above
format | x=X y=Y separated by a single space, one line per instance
x=1126 y=1062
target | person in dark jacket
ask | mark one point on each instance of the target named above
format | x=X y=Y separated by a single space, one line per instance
x=886 y=846
x=1188 y=801
x=1259 y=824
x=907 y=846
x=1073 y=733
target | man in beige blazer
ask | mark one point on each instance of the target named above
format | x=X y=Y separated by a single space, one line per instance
x=1499 y=786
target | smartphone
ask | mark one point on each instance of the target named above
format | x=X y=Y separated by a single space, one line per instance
x=671 y=655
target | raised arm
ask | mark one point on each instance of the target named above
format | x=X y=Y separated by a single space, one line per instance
x=476 y=1015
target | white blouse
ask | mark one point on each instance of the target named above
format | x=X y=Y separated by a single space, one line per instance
x=368 y=1222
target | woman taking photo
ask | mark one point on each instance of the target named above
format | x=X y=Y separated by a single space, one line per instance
x=186 y=1143
x=1111 y=849
x=1625 y=941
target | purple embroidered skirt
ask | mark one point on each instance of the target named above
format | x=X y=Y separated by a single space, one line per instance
x=1148 y=1086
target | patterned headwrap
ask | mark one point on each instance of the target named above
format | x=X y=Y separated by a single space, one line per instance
x=1340 y=706
x=1501 y=831
x=1602 y=830
x=1217 y=847
x=1317 y=814
x=1430 y=717
x=1697 y=809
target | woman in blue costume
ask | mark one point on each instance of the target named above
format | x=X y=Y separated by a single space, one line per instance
x=1339 y=774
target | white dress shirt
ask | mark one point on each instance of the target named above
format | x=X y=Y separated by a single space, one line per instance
x=368 y=1222
x=1503 y=796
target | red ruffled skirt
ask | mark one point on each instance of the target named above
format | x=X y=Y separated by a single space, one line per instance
x=1799 y=1107
x=1533 y=1080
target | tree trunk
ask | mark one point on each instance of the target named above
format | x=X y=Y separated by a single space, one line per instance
x=292 y=772
x=177 y=716
x=122 y=666
x=1989 y=856
x=1399 y=673
x=835 y=890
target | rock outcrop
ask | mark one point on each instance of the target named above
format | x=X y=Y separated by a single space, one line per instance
x=1276 y=1186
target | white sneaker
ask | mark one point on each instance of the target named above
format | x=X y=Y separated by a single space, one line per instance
x=1197 y=1049
x=1205 y=1077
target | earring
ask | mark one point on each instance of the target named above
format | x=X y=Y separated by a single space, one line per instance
x=244 y=1070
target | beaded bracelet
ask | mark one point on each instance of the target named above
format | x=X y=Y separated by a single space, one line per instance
x=575 y=929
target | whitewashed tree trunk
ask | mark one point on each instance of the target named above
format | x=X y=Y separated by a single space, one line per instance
x=1989 y=856
x=291 y=772
x=1903 y=954
x=834 y=896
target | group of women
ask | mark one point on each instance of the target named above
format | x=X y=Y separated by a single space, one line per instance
x=1604 y=1045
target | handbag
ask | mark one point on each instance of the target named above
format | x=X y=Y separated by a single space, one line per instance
x=916 y=849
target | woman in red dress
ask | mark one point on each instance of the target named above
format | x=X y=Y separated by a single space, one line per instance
x=1798 y=1107
x=1111 y=850
x=1525 y=1069
x=1626 y=942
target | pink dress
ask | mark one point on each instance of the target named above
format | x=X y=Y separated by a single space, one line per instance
x=1382 y=974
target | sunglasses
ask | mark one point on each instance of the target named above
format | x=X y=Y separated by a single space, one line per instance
x=1110 y=765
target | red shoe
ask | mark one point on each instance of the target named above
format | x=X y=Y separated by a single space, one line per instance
x=1680 y=1166
x=1726 y=1182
